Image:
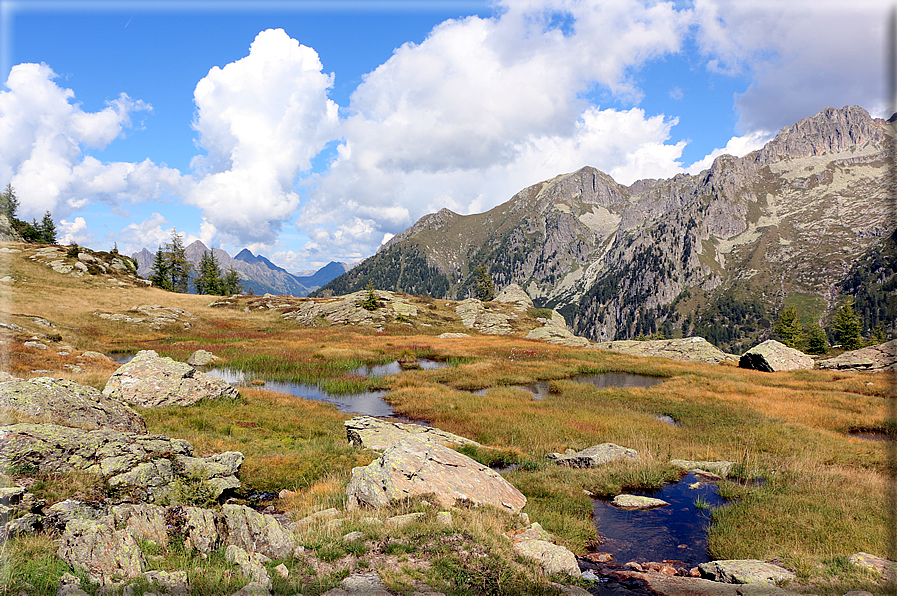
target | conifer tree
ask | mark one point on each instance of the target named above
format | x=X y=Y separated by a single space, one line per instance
x=788 y=327
x=160 y=277
x=815 y=339
x=485 y=285
x=179 y=268
x=231 y=283
x=209 y=279
x=47 y=229
x=9 y=203
x=848 y=327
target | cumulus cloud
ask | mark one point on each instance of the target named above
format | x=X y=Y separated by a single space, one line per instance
x=261 y=120
x=74 y=231
x=42 y=133
x=737 y=146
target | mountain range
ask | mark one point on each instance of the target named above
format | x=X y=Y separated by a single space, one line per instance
x=804 y=221
x=257 y=274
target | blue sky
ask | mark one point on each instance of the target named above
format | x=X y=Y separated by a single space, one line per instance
x=310 y=131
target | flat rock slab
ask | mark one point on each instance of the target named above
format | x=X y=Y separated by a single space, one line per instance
x=594 y=456
x=411 y=468
x=875 y=564
x=348 y=310
x=151 y=381
x=358 y=584
x=557 y=335
x=744 y=571
x=377 y=434
x=773 y=356
x=717 y=467
x=874 y=358
x=637 y=502
x=665 y=585
x=68 y=403
x=688 y=349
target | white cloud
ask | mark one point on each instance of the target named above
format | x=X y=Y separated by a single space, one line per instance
x=737 y=146
x=74 y=231
x=261 y=119
x=42 y=133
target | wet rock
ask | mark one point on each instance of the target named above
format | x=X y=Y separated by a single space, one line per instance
x=773 y=356
x=637 y=502
x=875 y=564
x=255 y=532
x=594 y=456
x=665 y=585
x=202 y=358
x=138 y=466
x=411 y=468
x=249 y=563
x=154 y=382
x=70 y=404
x=874 y=358
x=744 y=571
x=378 y=434
x=717 y=467
x=535 y=543
x=103 y=553
x=688 y=349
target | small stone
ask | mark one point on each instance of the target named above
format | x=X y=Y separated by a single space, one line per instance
x=36 y=345
x=444 y=518
x=282 y=571
x=352 y=536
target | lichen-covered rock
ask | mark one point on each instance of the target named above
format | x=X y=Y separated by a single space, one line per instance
x=174 y=583
x=151 y=381
x=637 y=502
x=68 y=403
x=255 y=532
x=348 y=310
x=378 y=434
x=744 y=571
x=773 y=356
x=594 y=456
x=144 y=521
x=61 y=513
x=203 y=529
x=492 y=321
x=250 y=564
x=411 y=468
x=535 y=543
x=106 y=555
x=717 y=467
x=555 y=334
x=514 y=294
x=138 y=466
x=202 y=358
x=687 y=349
x=875 y=564
x=874 y=358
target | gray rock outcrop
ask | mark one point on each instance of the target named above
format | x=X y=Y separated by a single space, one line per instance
x=151 y=381
x=686 y=349
x=411 y=468
x=257 y=533
x=514 y=294
x=491 y=321
x=378 y=434
x=716 y=467
x=105 y=554
x=773 y=356
x=143 y=467
x=348 y=310
x=874 y=358
x=537 y=544
x=744 y=571
x=594 y=456
x=68 y=403
x=202 y=358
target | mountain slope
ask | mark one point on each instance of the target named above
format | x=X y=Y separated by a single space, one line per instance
x=257 y=273
x=717 y=253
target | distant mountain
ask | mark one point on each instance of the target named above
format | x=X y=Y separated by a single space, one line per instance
x=716 y=254
x=257 y=273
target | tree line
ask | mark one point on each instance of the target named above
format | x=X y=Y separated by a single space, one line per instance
x=172 y=271
x=43 y=231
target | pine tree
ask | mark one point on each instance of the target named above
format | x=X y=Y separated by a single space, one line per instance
x=848 y=327
x=815 y=339
x=788 y=327
x=47 y=229
x=9 y=203
x=485 y=285
x=231 y=284
x=160 y=277
x=209 y=279
x=179 y=268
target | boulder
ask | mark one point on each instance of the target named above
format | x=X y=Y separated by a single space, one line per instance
x=666 y=585
x=378 y=434
x=514 y=294
x=255 y=532
x=61 y=513
x=875 y=564
x=744 y=571
x=594 y=456
x=717 y=467
x=150 y=381
x=202 y=358
x=688 y=349
x=70 y=404
x=874 y=358
x=106 y=555
x=411 y=468
x=535 y=543
x=142 y=467
x=250 y=564
x=474 y=315
x=348 y=310
x=773 y=356
x=174 y=583
x=637 y=502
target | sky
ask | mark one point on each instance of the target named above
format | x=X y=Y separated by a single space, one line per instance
x=312 y=131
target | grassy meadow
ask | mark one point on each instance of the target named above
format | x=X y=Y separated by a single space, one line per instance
x=806 y=493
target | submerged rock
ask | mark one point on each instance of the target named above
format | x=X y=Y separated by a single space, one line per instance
x=377 y=434
x=70 y=404
x=151 y=381
x=411 y=468
x=744 y=571
x=594 y=456
x=773 y=356
x=874 y=358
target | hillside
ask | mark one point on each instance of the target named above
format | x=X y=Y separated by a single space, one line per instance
x=257 y=273
x=715 y=254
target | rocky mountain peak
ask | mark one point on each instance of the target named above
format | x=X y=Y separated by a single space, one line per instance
x=433 y=221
